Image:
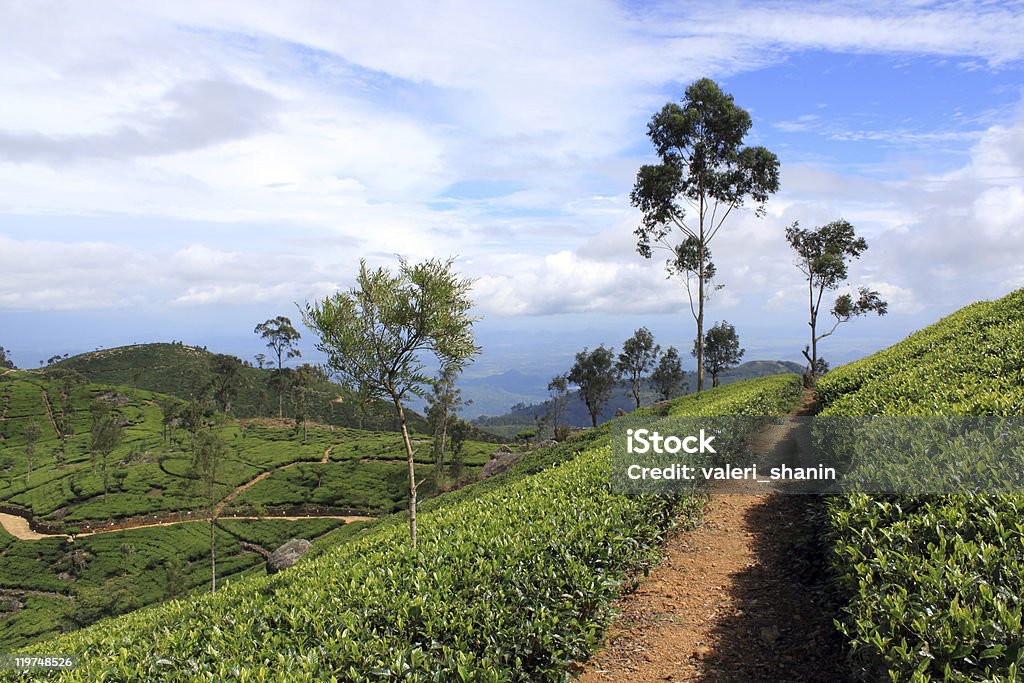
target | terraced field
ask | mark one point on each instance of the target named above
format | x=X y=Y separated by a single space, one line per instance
x=51 y=584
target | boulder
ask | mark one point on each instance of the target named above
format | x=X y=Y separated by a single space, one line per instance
x=287 y=555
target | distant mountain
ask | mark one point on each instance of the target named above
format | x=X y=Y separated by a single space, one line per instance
x=496 y=394
x=524 y=414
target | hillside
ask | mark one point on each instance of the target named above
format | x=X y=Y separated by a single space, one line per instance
x=512 y=581
x=63 y=486
x=186 y=371
x=524 y=416
x=932 y=583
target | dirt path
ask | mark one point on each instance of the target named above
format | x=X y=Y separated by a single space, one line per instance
x=260 y=477
x=219 y=507
x=19 y=528
x=738 y=599
x=49 y=412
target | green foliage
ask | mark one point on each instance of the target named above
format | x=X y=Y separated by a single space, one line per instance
x=721 y=350
x=668 y=378
x=226 y=381
x=823 y=255
x=638 y=356
x=512 y=581
x=375 y=336
x=594 y=374
x=76 y=584
x=151 y=474
x=933 y=584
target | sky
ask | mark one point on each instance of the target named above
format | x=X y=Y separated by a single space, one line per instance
x=184 y=171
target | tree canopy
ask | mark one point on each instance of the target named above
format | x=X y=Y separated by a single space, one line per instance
x=376 y=335
x=704 y=169
x=639 y=353
x=722 y=350
x=668 y=378
x=594 y=373
x=823 y=256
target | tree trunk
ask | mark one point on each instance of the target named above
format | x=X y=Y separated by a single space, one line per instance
x=444 y=438
x=700 y=299
x=213 y=554
x=814 y=327
x=412 y=471
x=700 y=331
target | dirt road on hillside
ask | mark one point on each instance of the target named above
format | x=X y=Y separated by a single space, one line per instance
x=741 y=598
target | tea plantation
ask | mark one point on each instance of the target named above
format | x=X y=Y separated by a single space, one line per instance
x=511 y=582
x=934 y=584
x=51 y=585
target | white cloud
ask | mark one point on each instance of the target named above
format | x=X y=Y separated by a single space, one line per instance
x=339 y=121
x=901 y=300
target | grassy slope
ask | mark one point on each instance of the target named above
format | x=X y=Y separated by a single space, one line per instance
x=511 y=582
x=150 y=476
x=50 y=586
x=934 y=583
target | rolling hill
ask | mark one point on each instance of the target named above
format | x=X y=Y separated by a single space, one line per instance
x=186 y=372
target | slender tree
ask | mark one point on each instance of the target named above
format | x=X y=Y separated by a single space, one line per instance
x=170 y=408
x=5 y=360
x=558 y=387
x=668 y=378
x=375 y=335
x=721 y=350
x=594 y=373
x=303 y=381
x=460 y=431
x=65 y=420
x=281 y=338
x=639 y=353
x=704 y=168
x=106 y=436
x=443 y=404
x=225 y=380
x=823 y=256
x=208 y=450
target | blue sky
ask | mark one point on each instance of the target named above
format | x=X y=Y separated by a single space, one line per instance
x=186 y=170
